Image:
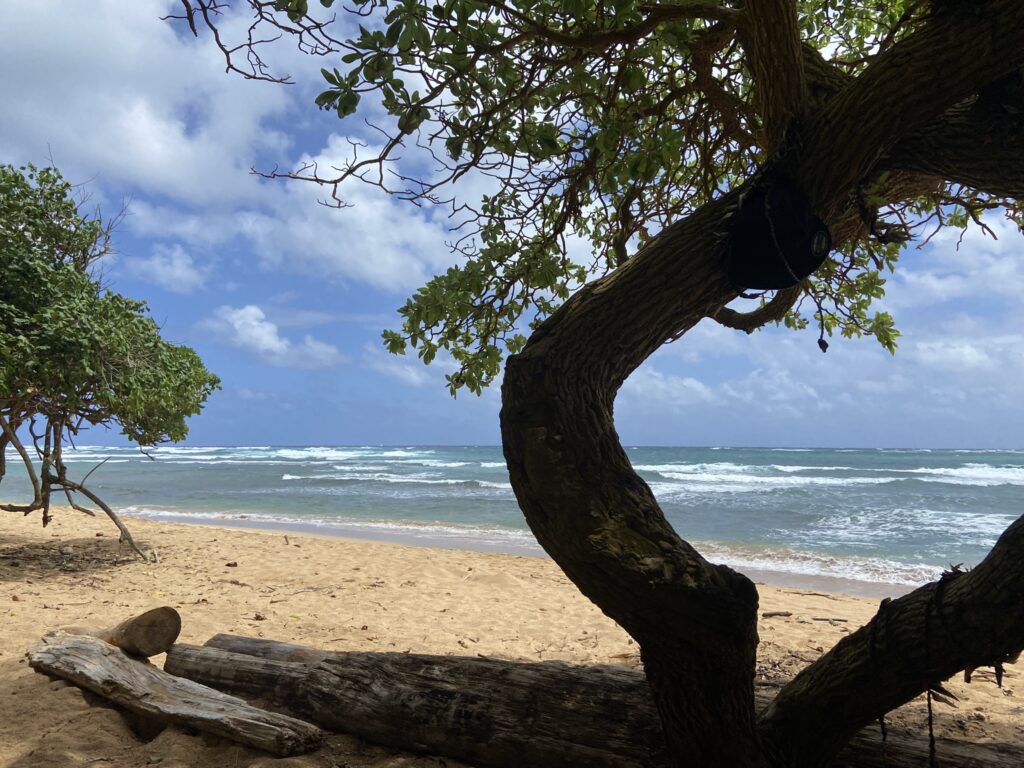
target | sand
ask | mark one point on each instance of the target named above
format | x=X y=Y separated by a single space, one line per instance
x=345 y=595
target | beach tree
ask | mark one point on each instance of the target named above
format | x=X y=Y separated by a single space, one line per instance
x=73 y=354
x=743 y=161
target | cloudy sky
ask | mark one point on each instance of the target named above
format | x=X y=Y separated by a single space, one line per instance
x=285 y=299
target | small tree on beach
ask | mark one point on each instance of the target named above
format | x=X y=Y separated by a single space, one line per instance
x=778 y=151
x=72 y=354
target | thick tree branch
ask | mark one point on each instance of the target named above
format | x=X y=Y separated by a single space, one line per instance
x=772 y=312
x=776 y=62
x=600 y=40
x=981 y=148
x=979 y=142
x=126 y=535
x=37 y=494
x=899 y=92
x=963 y=621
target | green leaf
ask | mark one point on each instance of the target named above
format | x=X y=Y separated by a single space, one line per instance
x=348 y=101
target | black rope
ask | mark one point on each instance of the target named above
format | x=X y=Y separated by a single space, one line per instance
x=775 y=238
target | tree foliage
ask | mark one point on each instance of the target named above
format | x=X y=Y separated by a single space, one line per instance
x=600 y=120
x=73 y=354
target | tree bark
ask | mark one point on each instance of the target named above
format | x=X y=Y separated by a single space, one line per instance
x=904 y=88
x=502 y=714
x=772 y=37
x=267 y=649
x=144 y=635
x=158 y=696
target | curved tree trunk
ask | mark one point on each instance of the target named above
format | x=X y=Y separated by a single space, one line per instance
x=696 y=621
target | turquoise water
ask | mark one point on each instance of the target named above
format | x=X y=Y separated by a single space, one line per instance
x=885 y=516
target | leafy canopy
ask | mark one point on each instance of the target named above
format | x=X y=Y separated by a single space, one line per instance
x=71 y=353
x=595 y=120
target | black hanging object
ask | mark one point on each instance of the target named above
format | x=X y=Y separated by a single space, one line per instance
x=775 y=238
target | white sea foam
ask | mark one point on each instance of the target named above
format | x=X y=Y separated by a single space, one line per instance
x=237 y=462
x=687 y=483
x=384 y=477
x=762 y=481
x=698 y=469
x=729 y=476
x=319 y=454
x=93 y=460
x=725 y=468
x=432 y=463
x=973 y=474
x=517 y=538
x=779 y=560
x=801 y=468
x=886 y=527
x=808 y=563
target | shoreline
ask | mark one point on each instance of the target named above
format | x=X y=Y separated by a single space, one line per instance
x=528 y=548
x=837 y=520
x=347 y=594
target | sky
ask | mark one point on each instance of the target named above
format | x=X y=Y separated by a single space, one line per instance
x=285 y=299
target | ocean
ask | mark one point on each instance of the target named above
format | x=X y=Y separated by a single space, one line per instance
x=891 y=518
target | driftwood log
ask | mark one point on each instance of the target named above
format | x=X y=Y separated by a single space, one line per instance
x=159 y=697
x=499 y=713
x=144 y=635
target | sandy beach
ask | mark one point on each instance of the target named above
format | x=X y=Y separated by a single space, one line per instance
x=346 y=595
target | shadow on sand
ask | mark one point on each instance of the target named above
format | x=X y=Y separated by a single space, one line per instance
x=23 y=558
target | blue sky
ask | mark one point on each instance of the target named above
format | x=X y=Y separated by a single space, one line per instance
x=285 y=299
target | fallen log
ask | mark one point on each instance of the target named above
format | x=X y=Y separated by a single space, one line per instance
x=267 y=649
x=144 y=635
x=481 y=711
x=158 y=696
x=500 y=713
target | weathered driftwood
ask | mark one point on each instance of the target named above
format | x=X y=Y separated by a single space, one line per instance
x=238 y=672
x=144 y=635
x=267 y=649
x=158 y=696
x=482 y=711
x=499 y=713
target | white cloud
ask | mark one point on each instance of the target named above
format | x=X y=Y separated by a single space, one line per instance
x=379 y=240
x=709 y=339
x=950 y=268
x=409 y=370
x=115 y=93
x=251 y=394
x=118 y=97
x=650 y=387
x=171 y=268
x=248 y=328
x=953 y=355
